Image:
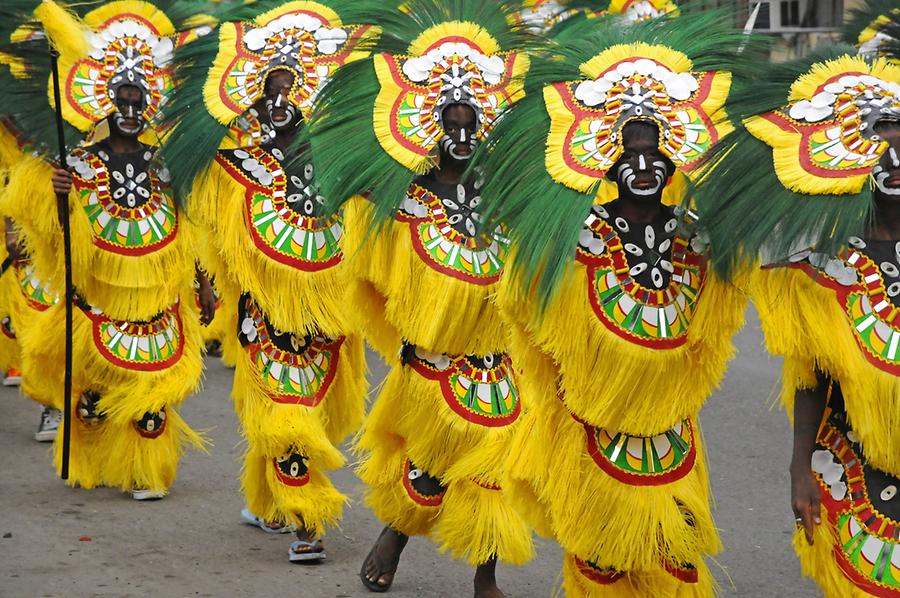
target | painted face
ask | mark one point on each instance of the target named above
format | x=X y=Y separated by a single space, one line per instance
x=283 y=114
x=458 y=143
x=887 y=172
x=642 y=170
x=128 y=119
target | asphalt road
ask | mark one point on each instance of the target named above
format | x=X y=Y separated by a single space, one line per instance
x=58 y=541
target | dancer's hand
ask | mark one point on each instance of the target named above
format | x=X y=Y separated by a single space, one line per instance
x=207 y=299
x=805 y=500
x=62 y=181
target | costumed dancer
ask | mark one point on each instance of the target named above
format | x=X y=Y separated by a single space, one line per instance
x=136 y=337
x=299 y=385
x=620 y=329
x=401 y=127
x=813 y=181
x=22 y=295
x=25 y=297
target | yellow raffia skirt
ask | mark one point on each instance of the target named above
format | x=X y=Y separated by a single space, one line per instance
x=10 y=358
x=581 y=579
x=627 y=503
x=432 y=456
x=293 y=422
x=141 y=372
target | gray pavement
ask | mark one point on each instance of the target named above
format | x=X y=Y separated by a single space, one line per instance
x=58 y=541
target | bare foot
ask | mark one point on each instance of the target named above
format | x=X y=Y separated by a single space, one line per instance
x=486 y=581
x=380 y=566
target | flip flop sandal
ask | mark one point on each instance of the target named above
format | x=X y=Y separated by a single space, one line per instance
x=374 y=586
x=255 y=521
x=308 y=555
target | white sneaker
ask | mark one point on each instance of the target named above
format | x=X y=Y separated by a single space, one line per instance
x=147 y=494
x=50 y=421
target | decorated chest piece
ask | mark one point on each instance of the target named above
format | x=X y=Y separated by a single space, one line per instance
x=130 y=179
x=626 y=83
x=831 y=118
x=301 y=37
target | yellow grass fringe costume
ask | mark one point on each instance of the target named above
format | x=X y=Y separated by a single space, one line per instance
x=819 y=323
x=432 y=448
x=299 y=384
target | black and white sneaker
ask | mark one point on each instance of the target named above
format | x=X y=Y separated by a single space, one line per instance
x=50 y=421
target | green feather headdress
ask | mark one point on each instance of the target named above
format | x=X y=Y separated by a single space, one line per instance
x=799 y=170
x=377 y=125
x=221 y=76
x=551 y=152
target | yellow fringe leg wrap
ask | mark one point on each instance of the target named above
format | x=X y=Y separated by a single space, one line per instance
x=478 y=523
x=621 y=525
x=42 y=341
x=278 y=430
x=519 y=483
x=383 y=337
x=128 y=393
x=135 y=461
x=581 y=581
x=89 y=452
x=818 y=562
x=438 y=439
x=383 y=470
x=412 y=425
x=10 y=357
x=313 y=505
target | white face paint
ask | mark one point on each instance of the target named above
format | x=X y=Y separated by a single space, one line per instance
x=881 y=175
x=452 y=146
x=286 y=115
x=627 y=175
x=129 y=113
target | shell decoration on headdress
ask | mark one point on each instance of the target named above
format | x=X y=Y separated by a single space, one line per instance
x=305 y=38
x=128 y=42
x=630 y=82
x=454 y=62
x=823 y=140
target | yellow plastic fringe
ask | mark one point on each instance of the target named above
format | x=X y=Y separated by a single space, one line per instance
x=804 y=322
x=419 y=160
x=410 y=420
x=382 y=471
x=817 y=561
x=313 y=506
x=125 y=287
x=90 y=450
x=477 y=524
x=369 y=264
x=29 y=200
x=473 y=32
x=68 y=34
x=620 y=385
x=277 y=288
x=658 y=583
x=42 y=342
x=630 y=528
x=113 y=454
x=145 y=463
x=10 y=357
x=128 y=394
x=437 y=439
x=428 y=308
x=274 y=429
